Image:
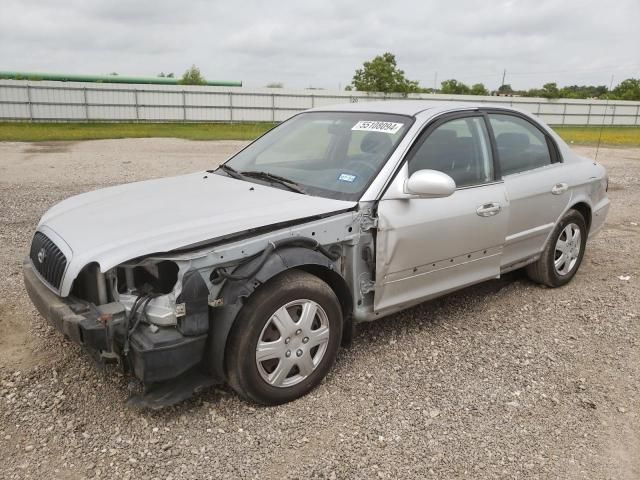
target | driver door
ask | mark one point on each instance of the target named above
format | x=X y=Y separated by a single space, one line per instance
x=430 y=246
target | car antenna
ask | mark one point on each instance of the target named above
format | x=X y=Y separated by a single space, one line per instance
x=604 y=117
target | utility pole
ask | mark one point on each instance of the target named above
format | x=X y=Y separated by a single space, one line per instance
x=504 y=74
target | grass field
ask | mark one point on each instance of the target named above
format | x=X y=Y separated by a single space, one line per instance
x=40 y=132
x=43 y=132
x=621 y=136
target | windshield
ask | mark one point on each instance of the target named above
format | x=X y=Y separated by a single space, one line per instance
x=329 y=154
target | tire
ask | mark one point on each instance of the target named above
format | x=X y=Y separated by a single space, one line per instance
x=288 y=318
x=544 y=270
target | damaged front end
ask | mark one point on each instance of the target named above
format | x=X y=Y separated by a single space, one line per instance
x=148 y=316
x=165 y=317
x=163 y=327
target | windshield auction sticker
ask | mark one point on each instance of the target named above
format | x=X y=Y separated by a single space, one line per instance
x=377 y=126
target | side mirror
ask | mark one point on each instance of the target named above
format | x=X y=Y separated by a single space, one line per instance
x=430 y=184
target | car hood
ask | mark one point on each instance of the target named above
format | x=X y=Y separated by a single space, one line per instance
x=116 y=224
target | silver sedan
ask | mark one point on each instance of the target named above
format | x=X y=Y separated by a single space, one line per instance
x=255 y=273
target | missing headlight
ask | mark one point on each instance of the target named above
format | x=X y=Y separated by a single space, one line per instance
x=158 y=278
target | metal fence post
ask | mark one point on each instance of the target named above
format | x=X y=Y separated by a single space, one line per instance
x=184 y=106
x=589 y=115
x=231 y=106
x=613 y=114
x=135 y=96
x=638 y=115
x=29 y=102
x=86 y=104
x=564 y=112
x=273 y=107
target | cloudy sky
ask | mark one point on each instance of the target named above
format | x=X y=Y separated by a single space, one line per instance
x=321 y=43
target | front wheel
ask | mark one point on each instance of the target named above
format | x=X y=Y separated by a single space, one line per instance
x=563 y=254
x=285 y=339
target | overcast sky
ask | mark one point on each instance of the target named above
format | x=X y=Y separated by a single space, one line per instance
x=321 y=43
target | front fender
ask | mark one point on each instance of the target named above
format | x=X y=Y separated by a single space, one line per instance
x=233 y=295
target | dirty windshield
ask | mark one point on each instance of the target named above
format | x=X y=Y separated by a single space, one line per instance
x=329 y=154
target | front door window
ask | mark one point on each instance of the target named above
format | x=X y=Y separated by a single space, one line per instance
x=460 y=148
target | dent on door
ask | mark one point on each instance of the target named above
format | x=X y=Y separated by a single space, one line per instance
x=426 y=247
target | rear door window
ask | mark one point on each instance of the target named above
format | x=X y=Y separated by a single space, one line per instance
x=521 y=145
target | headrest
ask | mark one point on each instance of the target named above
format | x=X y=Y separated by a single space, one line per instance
x=443 y=135
x=512 y=140
x=374 y=142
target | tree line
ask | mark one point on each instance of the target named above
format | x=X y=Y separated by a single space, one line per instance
x=383 y=75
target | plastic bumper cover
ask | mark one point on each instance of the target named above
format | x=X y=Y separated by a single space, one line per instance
x=77 y=321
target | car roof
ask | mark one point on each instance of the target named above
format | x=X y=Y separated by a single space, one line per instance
x=405 y=107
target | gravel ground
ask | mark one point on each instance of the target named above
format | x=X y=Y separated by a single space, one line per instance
x=503 y=380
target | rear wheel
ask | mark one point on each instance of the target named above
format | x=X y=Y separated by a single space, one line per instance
x=285 y=339
x=563 y=254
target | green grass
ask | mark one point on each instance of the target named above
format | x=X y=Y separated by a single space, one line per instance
x=619 y=136
x=44 y=132
x=41 y=132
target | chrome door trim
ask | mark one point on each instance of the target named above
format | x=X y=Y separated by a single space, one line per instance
x=532 y=232
x=493 y=182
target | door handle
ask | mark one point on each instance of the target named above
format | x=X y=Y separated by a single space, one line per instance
x=559 y=188
x=489 y=209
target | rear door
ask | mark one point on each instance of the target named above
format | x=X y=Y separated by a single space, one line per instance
x=427 y=246
x=534 y=181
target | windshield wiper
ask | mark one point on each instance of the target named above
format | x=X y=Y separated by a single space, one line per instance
x=232 y=172
x=290 y=184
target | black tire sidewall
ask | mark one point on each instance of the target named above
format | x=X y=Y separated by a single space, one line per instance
x=572 y=216
x=240 y=360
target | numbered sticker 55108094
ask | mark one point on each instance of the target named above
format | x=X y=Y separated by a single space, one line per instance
x=377 y=126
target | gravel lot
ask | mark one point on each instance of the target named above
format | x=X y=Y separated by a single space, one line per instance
x=503 y=380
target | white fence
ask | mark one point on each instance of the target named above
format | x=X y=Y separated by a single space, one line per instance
x=103 y=102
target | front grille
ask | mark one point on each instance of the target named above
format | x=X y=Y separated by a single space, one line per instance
x=48 y=260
